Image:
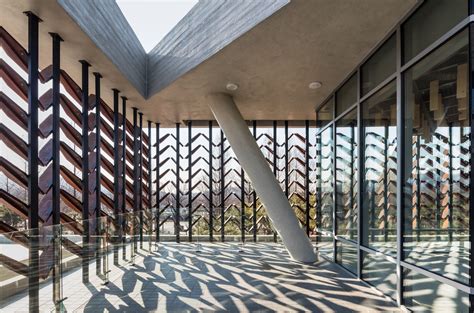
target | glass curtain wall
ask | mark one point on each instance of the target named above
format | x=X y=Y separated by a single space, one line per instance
x=394 y=163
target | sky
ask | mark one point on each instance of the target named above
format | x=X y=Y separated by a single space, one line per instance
x=151 y=20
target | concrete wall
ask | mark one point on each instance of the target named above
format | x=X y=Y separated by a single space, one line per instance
x=105 y=24
x=206 y=29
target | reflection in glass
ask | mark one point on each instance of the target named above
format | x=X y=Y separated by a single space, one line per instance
x=346 y=176
x=325 y=189
x=437 y=161
x=380 y=65
x=379 y=198
x=424 y=294
x=380 y=273
x=430 y=22
x=325 y=113
x=346 y=255
x=347 y=95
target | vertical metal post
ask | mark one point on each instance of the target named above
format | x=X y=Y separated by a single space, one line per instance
x=117 y=237
x=360 y=141
x=98 y=178
x=385 y=184
x=177 y=222
x=211 y=204
x=222 y=189
x=56 y=170
x=318 y=188
x=306 y=194
x=190 y=185
x=334 y=183
x=242 y=205
x=140 y=179
x=136 y=188
x=287 y=179
x=124 y=176
x=150 y=187
x=157 y=182
x=471 y=150
x=275 y=158
x=254 y=193
x=451 y=187
x=418 y=188
x=401 y=169
x=33 y=190
x=85 y=172
x=351 y=183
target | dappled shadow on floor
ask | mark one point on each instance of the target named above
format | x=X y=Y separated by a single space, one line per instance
x=219 y=277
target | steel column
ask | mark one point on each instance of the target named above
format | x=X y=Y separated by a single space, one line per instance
x=401 y=170
x=275 y=166
x=124 y=175
x=190 y=195
x=471 y=150
x=242 y=205
x=385 y=184
x=254 y=193
x=157 y=230
x=150 y=187
x=450 y=181
x=56 y=191
x=222 y=188
x=85 y=172
x=177 y=222
x=98 y=189
x=334 y=191
x=136 y=188
x=117 y=237
x=286 y=178
x=418 y=188
x=211 y=204
x=140 y=181
x=286 y=161
x=306 y=194
x=33 y=189
x=360 y=175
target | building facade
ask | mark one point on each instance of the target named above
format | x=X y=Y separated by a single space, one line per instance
x=394 y=163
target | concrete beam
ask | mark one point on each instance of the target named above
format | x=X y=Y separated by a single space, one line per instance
x=253 y=162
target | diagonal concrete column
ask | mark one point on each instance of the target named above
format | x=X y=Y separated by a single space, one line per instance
x=253 y=162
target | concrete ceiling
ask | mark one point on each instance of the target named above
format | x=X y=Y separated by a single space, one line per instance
x=273 y=63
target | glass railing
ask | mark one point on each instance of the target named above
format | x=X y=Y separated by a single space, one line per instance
x=50 y=262
x=50 y=266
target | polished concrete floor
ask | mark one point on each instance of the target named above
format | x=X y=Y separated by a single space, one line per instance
x=218 y=277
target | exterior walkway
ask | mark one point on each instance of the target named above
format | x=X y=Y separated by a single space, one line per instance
x=178 y=278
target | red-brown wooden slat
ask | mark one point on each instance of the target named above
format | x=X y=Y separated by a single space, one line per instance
x=13 y=141
x=13 y=111
x=13 y=172
x=13 y=49
x=14 y=80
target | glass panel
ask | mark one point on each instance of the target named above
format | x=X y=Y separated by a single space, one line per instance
x=380 y=65
x=325 y=113
x=437 y=161
x=429 y=23
x=346 y=176
x=379 y=198
x=325 y=188
x=347 y=95
x=380 y=273
x=346 y=255
x=424 y=294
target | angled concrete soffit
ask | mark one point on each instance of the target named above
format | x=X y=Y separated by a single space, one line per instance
x=205 y=30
